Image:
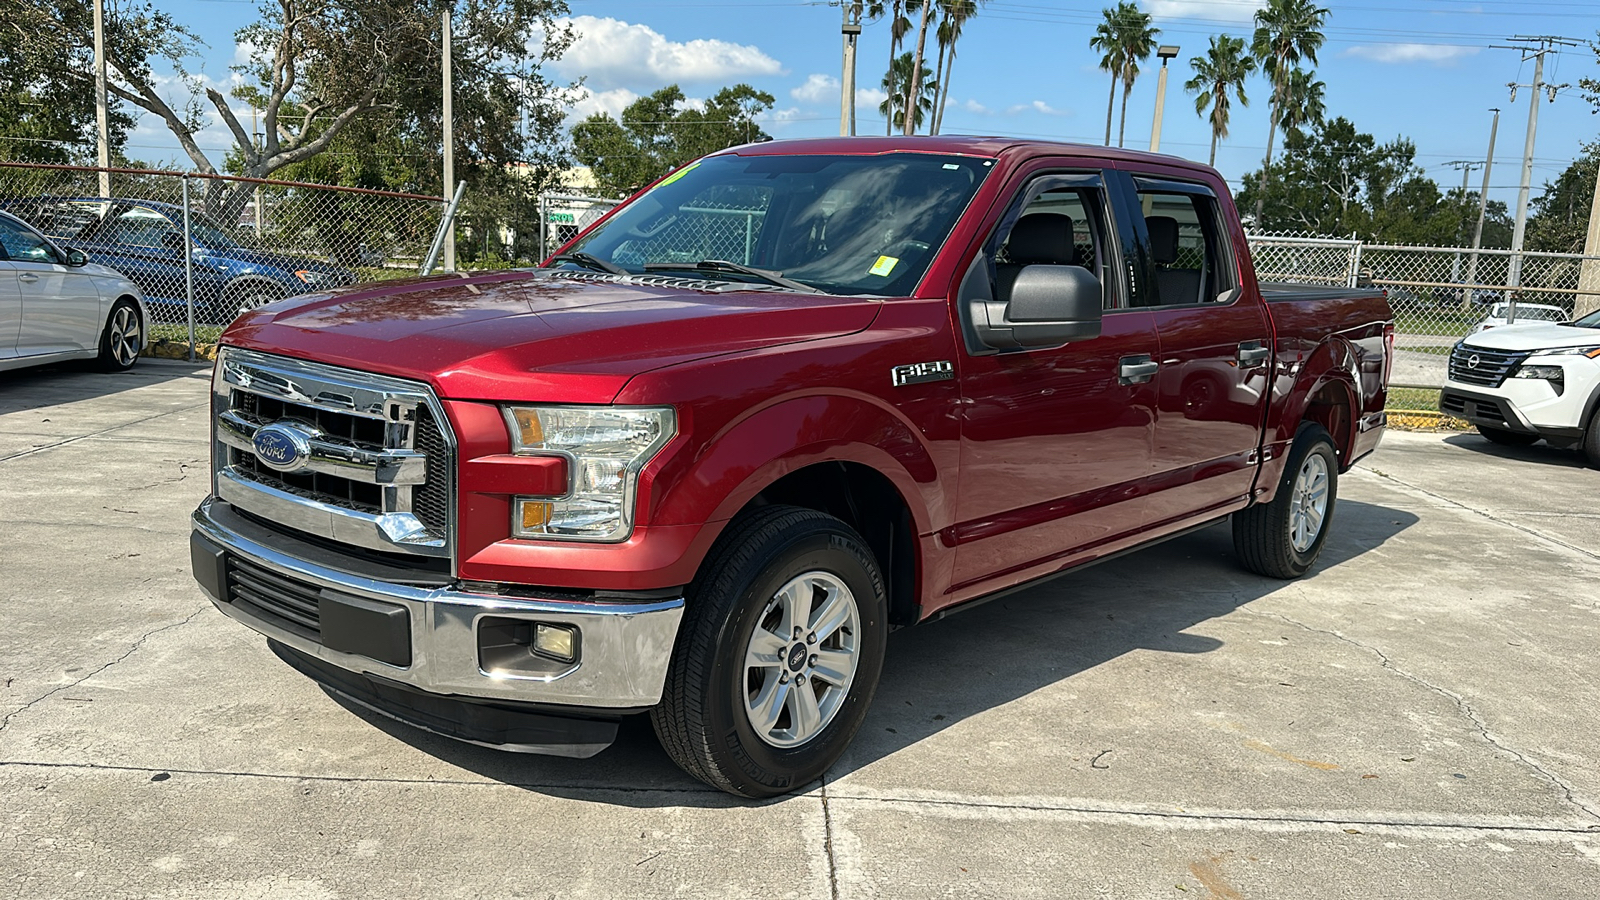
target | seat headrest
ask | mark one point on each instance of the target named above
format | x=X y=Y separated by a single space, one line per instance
x=1042 y=238
x=1163 y=238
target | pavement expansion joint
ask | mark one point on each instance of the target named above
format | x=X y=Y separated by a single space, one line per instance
x=131 y=650
x=1465 y=708
x=1483 y=513
x=827 y=842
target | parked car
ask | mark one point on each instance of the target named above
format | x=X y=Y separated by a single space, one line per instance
x=55 y=305
x=1530 y=382
x=144 y=240
x=792 y=396
x=1527 y=313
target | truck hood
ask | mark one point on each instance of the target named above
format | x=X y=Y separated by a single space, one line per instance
x=1543 y=336
x=538 y=336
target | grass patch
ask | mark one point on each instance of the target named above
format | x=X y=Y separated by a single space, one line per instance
x=1417 y=409
x=203 y=334
x=1436 y=351
x=1449 y=322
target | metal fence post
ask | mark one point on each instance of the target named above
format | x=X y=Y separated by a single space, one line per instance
x=544 y=215
x=446 y=225
x=1355 y=264
x=188 y=264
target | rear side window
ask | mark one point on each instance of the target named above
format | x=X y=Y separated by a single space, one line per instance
x=1187 y=247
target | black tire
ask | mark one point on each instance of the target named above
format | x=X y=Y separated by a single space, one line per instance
x=1591 y=440
x=1264 y=535
x=240 y=298
x=1507 y=438
x=122 y=338
x=702 y=720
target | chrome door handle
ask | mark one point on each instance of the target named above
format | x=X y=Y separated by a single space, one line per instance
x=1136 y=369
x=27 y=277
x=1252 y=354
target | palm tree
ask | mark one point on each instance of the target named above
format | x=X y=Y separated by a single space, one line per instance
x=1138 y=42
x=899 y=25
x=956 y=14
x=1105 y=40
x=893 y=106
x=1224 y=68
x=1302 y=102
x=917 y=69
x=1286 y=32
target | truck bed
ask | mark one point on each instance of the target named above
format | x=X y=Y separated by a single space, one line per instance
x=1284 y=291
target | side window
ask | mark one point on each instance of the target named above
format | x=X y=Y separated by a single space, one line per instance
x=1060 y=226
x=1188 y=248
x=139 y=226
x=23 y=245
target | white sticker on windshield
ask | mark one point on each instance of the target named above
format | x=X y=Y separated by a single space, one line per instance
x=951 y=166
x=884 y=265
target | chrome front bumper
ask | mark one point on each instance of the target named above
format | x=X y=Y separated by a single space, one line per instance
x=625 y=647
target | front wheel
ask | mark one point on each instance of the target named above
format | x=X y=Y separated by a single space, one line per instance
x=1507 y=438
x=779 y=655
x=122 y=338
x=1591 y=440
x=1283 y=538
x=239 y=299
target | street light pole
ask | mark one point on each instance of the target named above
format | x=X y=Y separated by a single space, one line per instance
x=101 y=114
x=1166 y=52
x=1483 y=209
x=851 y=29
x=449 y=144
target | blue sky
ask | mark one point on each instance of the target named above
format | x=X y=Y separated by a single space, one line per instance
x=1422 y=69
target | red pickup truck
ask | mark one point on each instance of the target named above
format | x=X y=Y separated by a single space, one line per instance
x=790 y=397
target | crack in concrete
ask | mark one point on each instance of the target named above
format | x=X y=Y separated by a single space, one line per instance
x=827 y=842
x=81 y=437
x=131 y=650
x=1483 y=513
x=1461 y=704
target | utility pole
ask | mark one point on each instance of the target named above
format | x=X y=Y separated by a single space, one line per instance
x=1545 y=44
x=1166 y=52
x=1466 y=166
x=1483 y=209
x=1589 y=269
x=449 y=144
x=101 y=114
x=851 y=29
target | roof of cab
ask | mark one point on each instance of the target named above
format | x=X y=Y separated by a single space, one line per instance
x=956 y=144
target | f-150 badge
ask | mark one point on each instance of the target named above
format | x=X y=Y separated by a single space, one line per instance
x=922 y=372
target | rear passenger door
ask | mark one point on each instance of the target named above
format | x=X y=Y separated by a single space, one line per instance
x=1055 y=441
x=10 y=308
x=1215 y=352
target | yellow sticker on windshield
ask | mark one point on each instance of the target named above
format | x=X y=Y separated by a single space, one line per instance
x=884 y=265
x=676 y=175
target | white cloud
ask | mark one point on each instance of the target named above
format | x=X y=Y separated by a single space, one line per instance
x=1212 y=10
x=973 y=106
x=610 y=54
x=1410 y=53
x=612 y=102
x=870 y=97
x=1038 y=106
x=817 y=89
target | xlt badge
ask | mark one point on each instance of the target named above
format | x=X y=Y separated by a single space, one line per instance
x=922 y=372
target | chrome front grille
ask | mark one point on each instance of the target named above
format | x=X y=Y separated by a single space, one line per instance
x=1474 y=365
x=357 y=458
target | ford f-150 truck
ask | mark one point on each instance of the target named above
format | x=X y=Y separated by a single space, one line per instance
x=789 y=397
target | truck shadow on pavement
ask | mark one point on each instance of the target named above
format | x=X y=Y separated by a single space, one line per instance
x=1542 y=453
x=945 y=672
x=43 y=386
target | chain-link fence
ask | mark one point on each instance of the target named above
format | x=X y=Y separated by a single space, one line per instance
x=563 y=216
x=203 y=248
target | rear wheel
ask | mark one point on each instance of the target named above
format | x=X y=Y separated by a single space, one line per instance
x=242 y=298
x=122 y=338
x=1591 y=440
x=1507 y=438
x=1283 y=538
x=779 y=654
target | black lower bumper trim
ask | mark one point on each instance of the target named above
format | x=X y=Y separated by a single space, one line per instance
x=506 y=726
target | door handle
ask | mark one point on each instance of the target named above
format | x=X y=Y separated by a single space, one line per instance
x=27 y=277
x=1252 y=354
x=1136 y=369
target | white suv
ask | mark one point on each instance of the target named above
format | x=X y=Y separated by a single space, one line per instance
x=1520 y=383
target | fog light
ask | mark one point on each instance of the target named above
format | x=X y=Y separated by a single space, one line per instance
x=556 y=641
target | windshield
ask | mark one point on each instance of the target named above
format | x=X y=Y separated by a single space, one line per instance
x=1592 y=320
x=841 y=224
x=208 y=232
x=1526 y=313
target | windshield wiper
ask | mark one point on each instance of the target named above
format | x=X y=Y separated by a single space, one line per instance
x=722 y=265
x=590 y=261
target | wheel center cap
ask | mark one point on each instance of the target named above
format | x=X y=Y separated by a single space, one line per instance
x=797 y=657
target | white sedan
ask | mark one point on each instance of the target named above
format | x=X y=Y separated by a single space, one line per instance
x=1527 y=314
x=55 y=305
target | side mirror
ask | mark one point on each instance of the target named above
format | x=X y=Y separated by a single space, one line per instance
x=76 y=258
x=1049 y=306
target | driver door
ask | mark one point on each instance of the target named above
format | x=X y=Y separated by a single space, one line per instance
x=60 y=303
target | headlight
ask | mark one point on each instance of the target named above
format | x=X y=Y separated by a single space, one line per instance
x=1591 y=352
x=605 y=447
x=1547 y=373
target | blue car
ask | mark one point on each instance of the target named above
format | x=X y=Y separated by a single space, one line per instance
x=143 y=239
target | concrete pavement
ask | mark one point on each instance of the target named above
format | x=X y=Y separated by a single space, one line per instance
x=1413 y=719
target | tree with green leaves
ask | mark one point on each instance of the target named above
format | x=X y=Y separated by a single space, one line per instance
x=915 y=79
x=1303 y=102
x=1560 y=218
x=1224 y=68
x=659 y=132
x=954 y=17
x=894 y=106
x=44 y=117
x=1287 y=31
x=1125 y=38
x=899 y=27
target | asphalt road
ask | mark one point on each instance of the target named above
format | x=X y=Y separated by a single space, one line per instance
x=1414 y=719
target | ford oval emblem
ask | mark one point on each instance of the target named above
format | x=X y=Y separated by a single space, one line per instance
x=282 y=447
